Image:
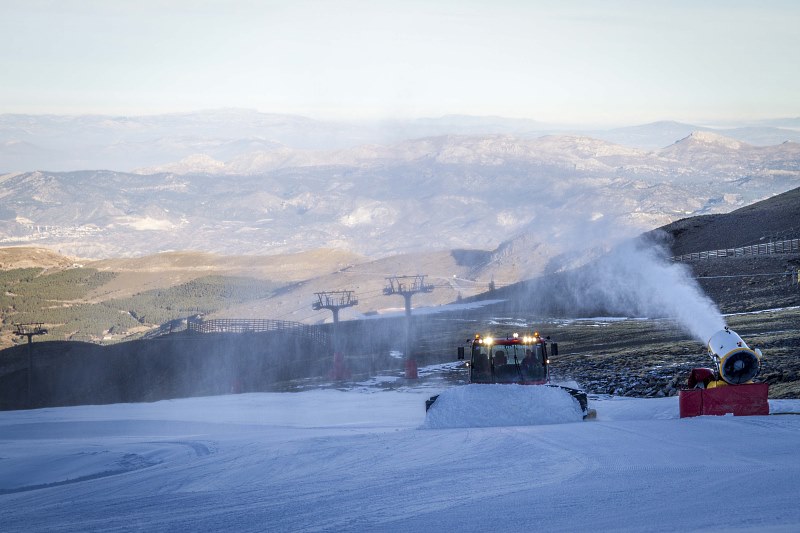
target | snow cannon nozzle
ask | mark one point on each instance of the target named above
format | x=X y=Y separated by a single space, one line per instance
x=735 y=361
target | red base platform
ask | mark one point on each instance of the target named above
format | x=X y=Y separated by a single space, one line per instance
x=739 y=400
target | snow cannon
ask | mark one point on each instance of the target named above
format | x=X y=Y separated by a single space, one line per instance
x=737 y=363
x=728 y=388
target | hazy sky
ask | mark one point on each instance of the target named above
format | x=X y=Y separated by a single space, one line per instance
x=563 y=61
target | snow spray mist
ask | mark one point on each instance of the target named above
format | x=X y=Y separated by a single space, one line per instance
x=637 y=278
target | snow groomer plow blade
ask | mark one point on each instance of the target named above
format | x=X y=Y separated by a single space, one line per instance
x=582 y=399
x=519 y=360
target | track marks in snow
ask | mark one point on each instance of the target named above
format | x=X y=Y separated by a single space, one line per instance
x=331 y=461
x=200 y=448
x=69 y=463
x=128 y=462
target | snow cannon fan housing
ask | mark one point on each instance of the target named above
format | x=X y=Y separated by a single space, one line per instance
x=736 y=361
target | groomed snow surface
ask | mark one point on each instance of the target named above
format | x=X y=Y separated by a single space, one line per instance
x=366 y=459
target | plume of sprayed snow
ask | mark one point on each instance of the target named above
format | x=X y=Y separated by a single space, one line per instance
x=636 y=278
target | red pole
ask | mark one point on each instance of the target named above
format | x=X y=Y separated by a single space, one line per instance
x=411 y=368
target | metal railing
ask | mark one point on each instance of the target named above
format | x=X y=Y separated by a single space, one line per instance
x=791 y=246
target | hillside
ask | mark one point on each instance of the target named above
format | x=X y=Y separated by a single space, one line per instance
x=31 y=257
x=113 y=299
x=772 y=219
x=147 y=291
x=136 y=275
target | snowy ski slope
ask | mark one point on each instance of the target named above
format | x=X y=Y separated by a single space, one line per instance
x=361 y=460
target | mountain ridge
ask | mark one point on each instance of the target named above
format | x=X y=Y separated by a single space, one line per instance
x=463 y=149
x=75 y=142
x=438 y=192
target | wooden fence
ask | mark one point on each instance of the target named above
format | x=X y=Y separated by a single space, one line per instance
x=791 y=246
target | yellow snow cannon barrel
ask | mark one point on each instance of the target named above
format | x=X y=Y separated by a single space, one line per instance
x=737 y=362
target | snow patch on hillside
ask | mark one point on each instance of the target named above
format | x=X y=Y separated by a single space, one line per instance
x=146 y=223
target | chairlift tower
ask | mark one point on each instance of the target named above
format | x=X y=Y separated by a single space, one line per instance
x=408 y=286
x=30 y=331
x=333 y=301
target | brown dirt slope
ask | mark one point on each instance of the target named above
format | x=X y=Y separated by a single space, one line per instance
x=32 y=257
x=775 y=218
x=173 y=268
x=742 y=284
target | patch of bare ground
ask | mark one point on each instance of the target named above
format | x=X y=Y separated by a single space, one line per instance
x=290 y=267
x=743 y=284
x=654 y=357
x=169 y=269
x=772 y=219
x=32 y=257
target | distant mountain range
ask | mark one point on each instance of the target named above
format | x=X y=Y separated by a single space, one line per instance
x=124 y=143
x=448 y=192
x=658 y=135
x=241 y=182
